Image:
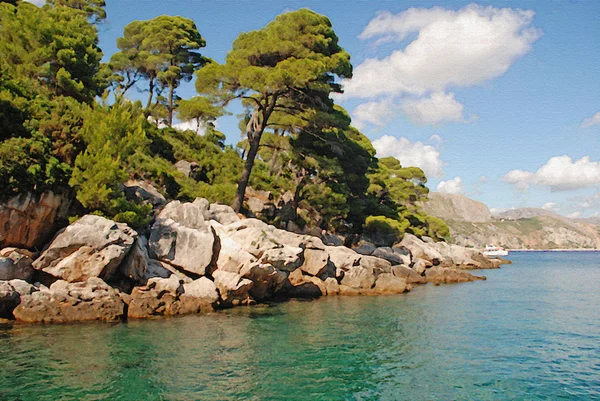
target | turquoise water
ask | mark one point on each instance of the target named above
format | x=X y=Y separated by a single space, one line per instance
x=530 y=332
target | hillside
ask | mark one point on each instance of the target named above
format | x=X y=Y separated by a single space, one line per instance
x=527 y=228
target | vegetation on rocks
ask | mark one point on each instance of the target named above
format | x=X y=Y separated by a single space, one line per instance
x=66 y=124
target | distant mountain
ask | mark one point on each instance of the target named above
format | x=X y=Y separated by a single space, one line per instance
x=456 y=207
x=472 y=224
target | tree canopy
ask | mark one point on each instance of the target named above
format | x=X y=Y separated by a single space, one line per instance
x=294 y=55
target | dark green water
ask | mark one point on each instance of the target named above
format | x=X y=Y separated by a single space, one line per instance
x=530 y=332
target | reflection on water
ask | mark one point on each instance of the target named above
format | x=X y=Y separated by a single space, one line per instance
x=532 y=331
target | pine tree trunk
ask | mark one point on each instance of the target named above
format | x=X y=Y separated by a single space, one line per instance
x=171 y=90
x=241 y=189
x=149 y=103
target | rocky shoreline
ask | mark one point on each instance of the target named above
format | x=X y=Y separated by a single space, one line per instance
x=198 y=257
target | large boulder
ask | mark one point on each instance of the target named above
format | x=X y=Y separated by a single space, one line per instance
x=9 y=299
x=395 y=258
x=143 y=191
x=359 y=277
x=135 y=264
x=268 y=281
x=376 y=265
x=421 y=249
x=170 y=296
x=15 y=264
x=440 y=274
x=70 y=302
x=421 y=265
x=343 y=258
x=388 y=283
x=305 y=286
x=408 y=274
x=315 y=262
x=189 y=248
x=232 y=257
x=233 y=289
x=289 y=258
x=28 y=220
x=93 y=246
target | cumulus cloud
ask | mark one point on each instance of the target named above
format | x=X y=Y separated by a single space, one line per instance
x=574 y=215
x=560 y=173
x=549 y=206
x=376 y=113
x=453 y=186
x=38 y=3
x=591 y=121
x=417 y=154
x=438 y=108
x=453 y=48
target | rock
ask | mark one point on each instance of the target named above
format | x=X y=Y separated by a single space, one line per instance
x=420 y=249
x=343 y=258
x=332 y=239
x=376 y=265
x=169 y=297
x=22 y=287
x=143 y=191
x=388 y=283
x=172 y=285
x=408 y=274
x=289 y=258
x=332 y=286
x=190 y=214
x=190 y=247
x=135 y=264
x=233 y=289
x=93 y=246
x=158 y=269
x=70 y=302
x=189 y=169
x=391 y=256
x=9 y=299
x=304 y=286
x=28 y=221
x=15 y=265
x=202 y=291
x=315 y=262
x=346 y=290
x=439 y=274
x=268 y=281
x=421 y=265
x=222 y=214
x=232 y=257
x=364 y=248
x=358 y=277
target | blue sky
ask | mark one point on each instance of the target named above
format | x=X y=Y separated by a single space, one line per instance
x=500 y=94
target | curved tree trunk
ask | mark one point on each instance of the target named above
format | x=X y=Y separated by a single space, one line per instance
x=243 y=184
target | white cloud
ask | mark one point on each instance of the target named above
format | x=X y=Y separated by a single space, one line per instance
x=549 y=206
x=591 y=121
x=574 y=215
x=452 y=49
x=376 y=113
x=438 y=108
x=417 y=154
x=560 y=173
x=453 y=186
x=38 y=3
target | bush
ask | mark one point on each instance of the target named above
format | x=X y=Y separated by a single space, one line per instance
x=385 y=231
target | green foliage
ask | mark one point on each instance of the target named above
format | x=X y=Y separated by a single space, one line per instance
x=161 y=51
x=94 y=9
x=52 y=50
x=387 y=229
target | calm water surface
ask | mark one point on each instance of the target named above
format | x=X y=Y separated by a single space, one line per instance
x=530 y=332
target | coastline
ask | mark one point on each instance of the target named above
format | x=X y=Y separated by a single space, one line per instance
x=554 y=250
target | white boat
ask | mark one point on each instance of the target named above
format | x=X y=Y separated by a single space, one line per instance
x=493 y=251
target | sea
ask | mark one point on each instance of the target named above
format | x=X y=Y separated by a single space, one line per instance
x=531 y=331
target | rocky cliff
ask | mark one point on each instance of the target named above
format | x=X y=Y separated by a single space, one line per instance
x=527 y=228
x=199 y=257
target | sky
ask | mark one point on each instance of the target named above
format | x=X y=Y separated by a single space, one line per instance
x=496 y=100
